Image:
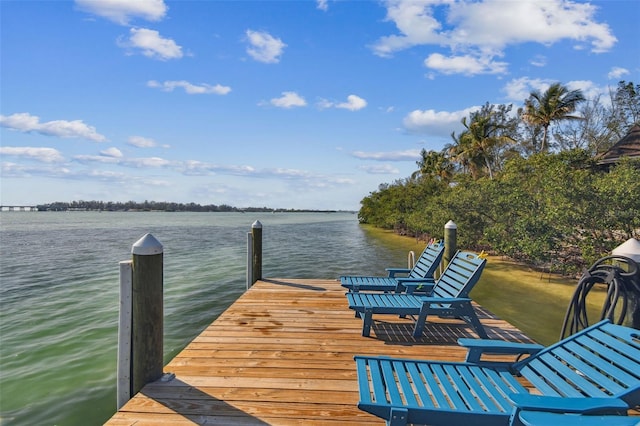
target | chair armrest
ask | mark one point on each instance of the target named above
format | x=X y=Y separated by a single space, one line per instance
x=445 y=300
x=416 y=280
x=393 y=271
x=423 y=285
x=477 y=347
x=558 y=404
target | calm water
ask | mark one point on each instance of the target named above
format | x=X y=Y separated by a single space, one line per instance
x=59 y=292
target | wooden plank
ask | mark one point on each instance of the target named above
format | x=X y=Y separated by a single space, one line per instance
x=282 y=354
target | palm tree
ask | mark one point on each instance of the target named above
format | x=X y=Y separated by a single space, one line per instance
x=555 y=104
x=476 y=147
x=435 y=164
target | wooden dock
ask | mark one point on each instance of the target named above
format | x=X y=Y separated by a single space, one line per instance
x=282 y=354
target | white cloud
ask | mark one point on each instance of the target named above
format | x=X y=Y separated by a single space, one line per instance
x=9 y=169
x=263 y=47
x=287 y=173
x=416 y=24
x=465 y=64
x=538 y=61
x=324 y=104
x=289 y=100
x=145 y=162
x=112 y=152
x=96 y=159
x=200 y=168
x=383 y=169
x=477 y=32
x=617 y=73
x=519 y=89
x=322 y=5
x=408 y=155
x=107 y=175
x=149 y=162
x=141 y=142
x=26 y=122
x=189 y=88
x=588 y=88
x=22 y=170
x=122 y=11
x=22 y=121
x=435 y=122
x=45 y=155
x=353 y=103
x=497 y=23
x=152 y=44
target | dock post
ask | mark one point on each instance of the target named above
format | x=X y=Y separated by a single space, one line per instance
x=256 y=250
x=124 y=336
x=142 y=347
x=249 y=260
x=450 y=241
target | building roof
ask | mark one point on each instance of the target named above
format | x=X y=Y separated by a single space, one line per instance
x=628 y=146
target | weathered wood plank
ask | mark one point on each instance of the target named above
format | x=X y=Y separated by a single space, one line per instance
x=282 y=354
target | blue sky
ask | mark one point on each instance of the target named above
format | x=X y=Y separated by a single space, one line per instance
x=284 y=104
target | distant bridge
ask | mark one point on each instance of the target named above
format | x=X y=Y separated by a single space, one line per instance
x=19 y=208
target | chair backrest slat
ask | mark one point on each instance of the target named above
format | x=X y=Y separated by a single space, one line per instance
x=428 y=261
x=461 y=274
x=600 y=361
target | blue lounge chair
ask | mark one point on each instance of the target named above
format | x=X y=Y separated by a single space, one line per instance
x=447 y=297
x=595 y=371
x=422 y=272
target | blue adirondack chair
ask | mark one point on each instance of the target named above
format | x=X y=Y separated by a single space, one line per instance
x=447 y=297
x=422 y=272
x=593 y=372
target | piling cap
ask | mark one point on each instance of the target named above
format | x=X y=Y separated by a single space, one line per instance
x=147 y=245
x=256 y=224
x=450 y=225
x=630 y=249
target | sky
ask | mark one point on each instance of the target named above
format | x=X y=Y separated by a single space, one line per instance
x=296 y=104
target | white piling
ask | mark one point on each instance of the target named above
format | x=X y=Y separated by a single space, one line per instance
x=124 y=335
x=140 y=334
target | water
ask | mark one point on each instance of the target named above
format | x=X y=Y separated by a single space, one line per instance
x=59 y=292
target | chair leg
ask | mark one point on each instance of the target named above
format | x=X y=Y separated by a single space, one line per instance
x=367 y=318
x=470 y=317
x=398 y=417
x=420 y=321
x=514 y=418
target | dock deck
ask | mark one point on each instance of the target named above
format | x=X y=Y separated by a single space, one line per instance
x=282 y=354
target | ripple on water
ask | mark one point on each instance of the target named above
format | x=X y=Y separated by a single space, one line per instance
x=59 y=290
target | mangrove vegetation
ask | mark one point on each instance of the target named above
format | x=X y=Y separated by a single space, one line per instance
x=528 y=184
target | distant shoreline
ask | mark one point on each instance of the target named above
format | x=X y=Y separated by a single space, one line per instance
x=153 y=206
x=34 y=210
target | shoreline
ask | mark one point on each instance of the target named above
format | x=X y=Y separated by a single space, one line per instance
x=532 y=300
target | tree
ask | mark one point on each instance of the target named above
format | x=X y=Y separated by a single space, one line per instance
x=479 y=144
x=593 y=133
x=556 y=210
x=625 y=108
x=555 y=104
x=435 y=164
